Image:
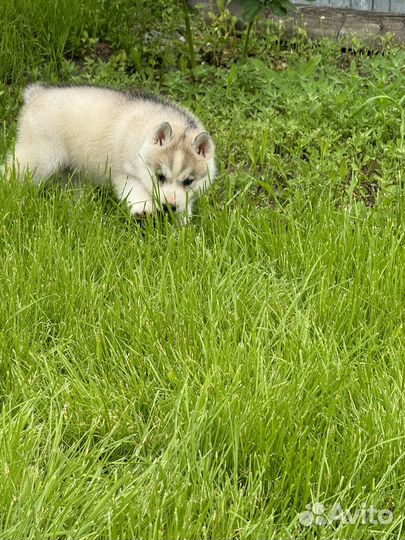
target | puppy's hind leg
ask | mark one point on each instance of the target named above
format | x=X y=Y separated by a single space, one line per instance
x=41 y=159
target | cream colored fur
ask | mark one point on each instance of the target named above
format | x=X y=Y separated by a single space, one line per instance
x=146 y=146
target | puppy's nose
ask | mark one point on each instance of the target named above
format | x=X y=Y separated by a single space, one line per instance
x=169 y=207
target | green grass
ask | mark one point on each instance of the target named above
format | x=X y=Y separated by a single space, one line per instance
x=209 y=381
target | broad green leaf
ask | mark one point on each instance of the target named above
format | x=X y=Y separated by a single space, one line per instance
x=250 y=8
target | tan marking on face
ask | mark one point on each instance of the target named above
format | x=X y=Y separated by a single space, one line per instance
x=178 y=160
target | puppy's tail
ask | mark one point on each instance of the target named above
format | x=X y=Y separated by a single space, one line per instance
x=32 y=90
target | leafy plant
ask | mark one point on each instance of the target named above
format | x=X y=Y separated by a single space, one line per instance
x=252 y=8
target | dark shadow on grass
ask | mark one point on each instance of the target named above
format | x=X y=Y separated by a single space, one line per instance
x=106 y=198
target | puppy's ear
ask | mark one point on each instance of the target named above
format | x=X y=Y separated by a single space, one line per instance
x=203 y=145
x=163 y=134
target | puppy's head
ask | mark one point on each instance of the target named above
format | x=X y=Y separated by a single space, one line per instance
x=179 y=163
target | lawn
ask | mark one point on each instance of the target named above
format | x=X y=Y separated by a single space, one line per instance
x=220 y=379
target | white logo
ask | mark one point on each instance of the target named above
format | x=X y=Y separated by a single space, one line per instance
x=316 y=514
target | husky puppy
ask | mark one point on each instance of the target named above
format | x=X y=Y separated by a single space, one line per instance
x=157 y=154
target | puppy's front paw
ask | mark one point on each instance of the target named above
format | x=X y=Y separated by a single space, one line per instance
x=141 y=209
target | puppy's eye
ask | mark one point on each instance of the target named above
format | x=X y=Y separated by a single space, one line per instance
x=188 y=182
x=161 y=178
